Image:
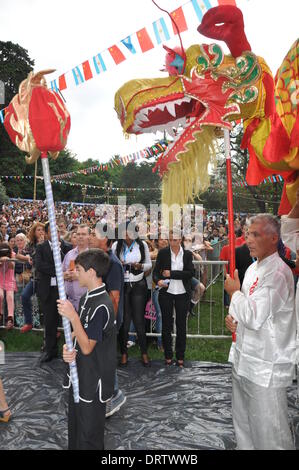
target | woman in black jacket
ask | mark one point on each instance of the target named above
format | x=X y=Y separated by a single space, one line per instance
x=134 y=255
x=173 y=273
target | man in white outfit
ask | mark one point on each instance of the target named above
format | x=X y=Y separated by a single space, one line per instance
x=290 y=235
x=262 y=314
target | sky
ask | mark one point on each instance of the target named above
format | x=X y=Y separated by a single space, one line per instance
x=61 y=34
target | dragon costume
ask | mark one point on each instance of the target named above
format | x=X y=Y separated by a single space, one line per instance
x=207 y=90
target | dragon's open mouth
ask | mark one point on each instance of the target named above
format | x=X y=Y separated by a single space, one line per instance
x=172 y=116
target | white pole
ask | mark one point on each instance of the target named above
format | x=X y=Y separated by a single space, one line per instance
x=58 y=269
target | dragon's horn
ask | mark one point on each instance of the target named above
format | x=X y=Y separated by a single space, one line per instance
x=226 y=23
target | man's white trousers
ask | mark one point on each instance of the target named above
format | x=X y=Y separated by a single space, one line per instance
x=260 y=416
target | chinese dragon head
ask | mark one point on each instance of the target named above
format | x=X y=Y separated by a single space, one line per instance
x=207 y=90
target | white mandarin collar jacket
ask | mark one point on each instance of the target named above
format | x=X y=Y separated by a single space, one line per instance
x=265 y=349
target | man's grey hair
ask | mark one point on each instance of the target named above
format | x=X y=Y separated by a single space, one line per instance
x=271 y=224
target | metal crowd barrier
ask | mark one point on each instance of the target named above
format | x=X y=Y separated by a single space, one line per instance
x=208 y=316
x=22 y=279
x=214 y=256
x=208 y=319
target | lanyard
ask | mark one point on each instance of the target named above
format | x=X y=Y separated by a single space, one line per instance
x=127 y=249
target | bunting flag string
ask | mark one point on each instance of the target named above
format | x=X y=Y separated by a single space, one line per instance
x=269 y=179
x=80 y=185
x=148 y=152
x=145 y=39
x=112 y=189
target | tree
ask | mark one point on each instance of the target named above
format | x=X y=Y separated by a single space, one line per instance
x=261 y=198
x=141 y=176
x=3 y=196
x=15 y=64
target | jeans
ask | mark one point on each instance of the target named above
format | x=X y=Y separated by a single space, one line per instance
x=27 y=293
x=132 y=330
x=158 y=315
x=194 y=283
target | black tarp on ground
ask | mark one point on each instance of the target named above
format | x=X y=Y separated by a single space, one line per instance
x=166 y=408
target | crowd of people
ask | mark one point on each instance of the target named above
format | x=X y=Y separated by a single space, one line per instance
x=109 y=282
x=22 y=227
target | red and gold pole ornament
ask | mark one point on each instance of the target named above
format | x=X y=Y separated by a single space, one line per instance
x=36 y=118
x=38 y=123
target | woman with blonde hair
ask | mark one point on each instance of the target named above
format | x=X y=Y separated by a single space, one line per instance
x=23 y=267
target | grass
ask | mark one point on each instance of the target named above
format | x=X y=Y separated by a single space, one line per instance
x=209 y=350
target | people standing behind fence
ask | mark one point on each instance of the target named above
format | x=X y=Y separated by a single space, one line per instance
x=71 y=238
x=36 y=236
x=23 y=267
x=73 y=289
x=203 y=249
x=7 y=284
x=198 y=288
x=155 y=245
x=135 y=258
x=3 y=231
x=173 y=273
x=47 y=291
x=12 y=229
x=225 y=253
x=62 y=225
x=12 y=242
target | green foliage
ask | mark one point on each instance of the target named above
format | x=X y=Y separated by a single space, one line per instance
x=15 y=64
x=249 y=199
x=3 y=196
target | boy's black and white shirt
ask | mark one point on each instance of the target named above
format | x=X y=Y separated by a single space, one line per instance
x=96 y=370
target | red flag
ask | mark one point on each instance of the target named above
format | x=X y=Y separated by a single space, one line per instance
x=116 y=54
x=227 y=2
x=62 y=82
x=179 y=17
x=87 y=70
x=144 y=40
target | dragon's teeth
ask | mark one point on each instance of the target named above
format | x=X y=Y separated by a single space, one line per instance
x=171 y=108
x=161 y=106
x=144 y=117
x=172 y=132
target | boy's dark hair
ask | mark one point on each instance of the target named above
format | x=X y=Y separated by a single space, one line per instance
x=96 y=259
x=47 y=225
